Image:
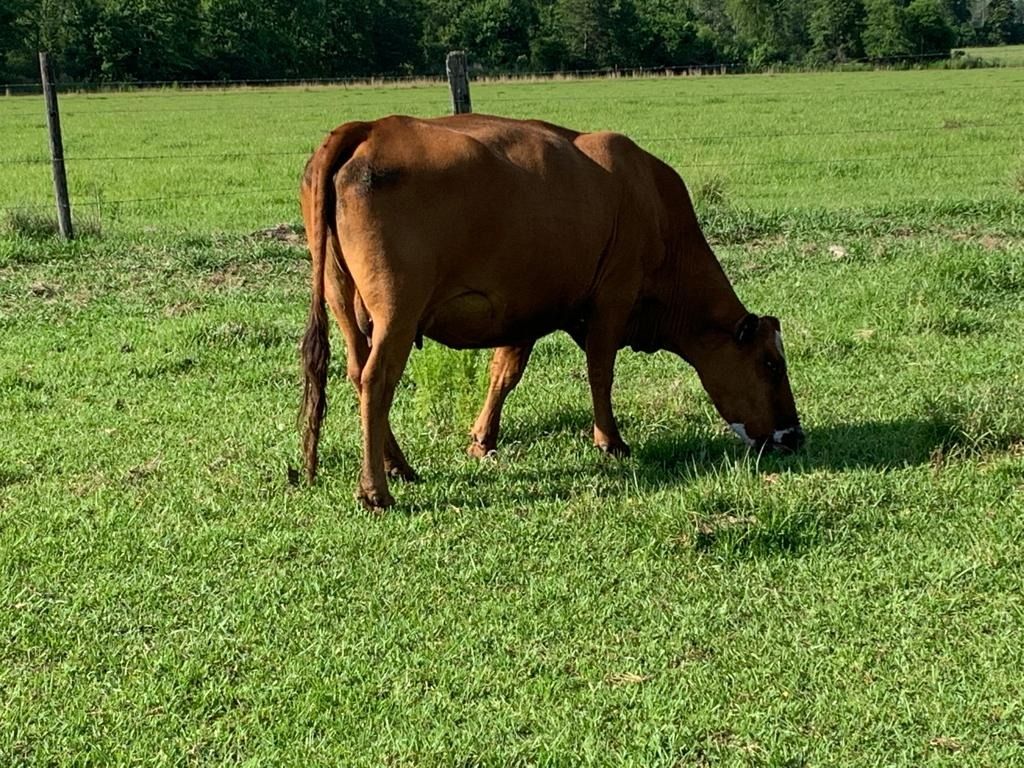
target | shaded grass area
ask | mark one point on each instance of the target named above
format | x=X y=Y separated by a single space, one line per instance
x=168 y=597
x=35 y=223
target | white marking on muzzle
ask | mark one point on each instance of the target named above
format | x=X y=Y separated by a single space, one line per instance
x=779 y=434
x=741 y=430
x=778 y=344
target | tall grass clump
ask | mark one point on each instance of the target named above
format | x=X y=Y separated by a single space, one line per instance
x=34 y=224
x=30 y=223
x=736 y=514
x=710 y=193
x=971 y=426
x=448 y=385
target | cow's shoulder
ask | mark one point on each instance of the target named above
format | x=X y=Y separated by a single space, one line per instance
x=611 y=150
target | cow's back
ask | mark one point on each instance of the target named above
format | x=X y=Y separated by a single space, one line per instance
x=511 y=214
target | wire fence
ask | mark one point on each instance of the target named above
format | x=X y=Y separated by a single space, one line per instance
x=712 y=164
x=664 y=139
x=483 y=75
x=32 y=114
x=973 y=149
x=260 y=192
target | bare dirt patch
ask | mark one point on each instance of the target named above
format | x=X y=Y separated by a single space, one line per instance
x=282 y=233
x=228 y=277
x=44 y=290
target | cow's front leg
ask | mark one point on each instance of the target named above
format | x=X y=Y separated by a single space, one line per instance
x=507 y=366
x=601 y=349
x=380 y=376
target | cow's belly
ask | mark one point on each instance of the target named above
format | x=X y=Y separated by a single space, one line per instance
x=476 y=319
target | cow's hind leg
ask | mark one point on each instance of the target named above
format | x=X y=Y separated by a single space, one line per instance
x=395 y=462
x=388 y=355
x=340 y=295
x=394 y=459
x=507 y=366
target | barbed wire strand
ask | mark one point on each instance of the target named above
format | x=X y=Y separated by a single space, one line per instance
x=197 y=156
x=519 y=99
x=640 y=139
x=254 y=192
x=781 y=162
x=527 y=79
x=625 y=71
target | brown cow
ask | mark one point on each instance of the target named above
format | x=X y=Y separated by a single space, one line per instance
x=482 y=231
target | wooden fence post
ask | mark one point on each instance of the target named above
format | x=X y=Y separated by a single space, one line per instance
x=60 y=179
x=458 y=81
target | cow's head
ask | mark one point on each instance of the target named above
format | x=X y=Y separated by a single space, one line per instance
x=745 y=374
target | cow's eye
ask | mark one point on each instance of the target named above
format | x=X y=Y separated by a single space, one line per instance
x=772 y=366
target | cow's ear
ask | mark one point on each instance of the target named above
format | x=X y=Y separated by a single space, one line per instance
x=746 y=329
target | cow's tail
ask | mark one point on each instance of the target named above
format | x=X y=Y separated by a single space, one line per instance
x=318 y=202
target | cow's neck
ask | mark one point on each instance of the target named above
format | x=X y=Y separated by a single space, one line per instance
x=699 y=305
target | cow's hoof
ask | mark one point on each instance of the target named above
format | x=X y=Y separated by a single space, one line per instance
x=480 y=451
x=375 y=501
x=402 y=472
x=619 y=450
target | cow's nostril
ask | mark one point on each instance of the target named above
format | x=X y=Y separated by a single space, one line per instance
x=792 y=439
x=788 y=440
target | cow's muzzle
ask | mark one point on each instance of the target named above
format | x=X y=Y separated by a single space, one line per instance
x=787 y=440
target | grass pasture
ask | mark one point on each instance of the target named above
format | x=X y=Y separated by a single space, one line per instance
x=1005 y=55
x=168 y=598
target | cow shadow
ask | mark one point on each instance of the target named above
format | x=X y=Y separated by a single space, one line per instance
x=872 y=444
x=673 y=459
x=667 y=461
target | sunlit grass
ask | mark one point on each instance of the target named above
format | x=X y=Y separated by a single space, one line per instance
x=1006 y=55
x=230 y=160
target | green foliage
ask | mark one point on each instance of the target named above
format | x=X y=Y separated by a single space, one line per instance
x=104 y=40
x=1004 y=23
x=929 y=27
x=494 y=31
x=146 y=39
x=667 y=32
x=836 y=27
x=447 y=386
x=595 y=33
x=774 y=30
x=885 y=29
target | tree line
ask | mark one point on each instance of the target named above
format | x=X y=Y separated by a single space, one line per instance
x=153 y=40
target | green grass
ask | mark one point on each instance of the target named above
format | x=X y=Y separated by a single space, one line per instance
x=1006 y=55
x=230 y=161
x=167 y=597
